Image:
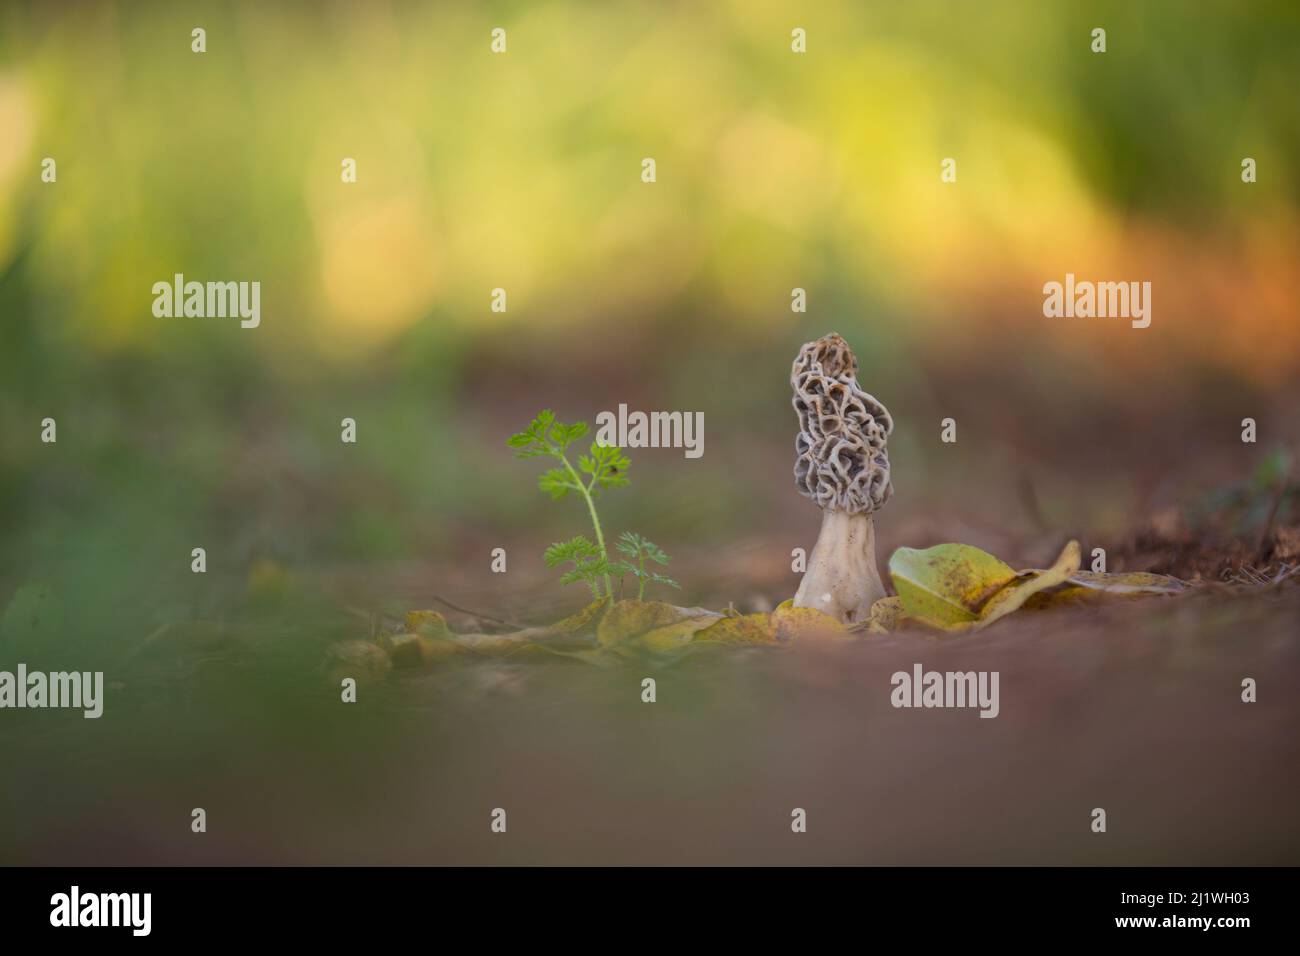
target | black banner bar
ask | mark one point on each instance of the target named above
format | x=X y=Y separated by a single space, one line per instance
x=333 y=905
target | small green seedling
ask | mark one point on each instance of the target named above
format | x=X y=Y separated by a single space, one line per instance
x=604 y=467
x=588 y=565
x=639 y=549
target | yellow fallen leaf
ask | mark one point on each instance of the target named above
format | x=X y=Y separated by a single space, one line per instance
x=427 y=622
x=742 y=629
x=416 y=649
x=1026 y=585
x=887 y=615
x=583 y=620
x=670 y=637
x=946 y=585
x=957 y=587
x=628 y=619
x=1090 y=586
x=793 y=623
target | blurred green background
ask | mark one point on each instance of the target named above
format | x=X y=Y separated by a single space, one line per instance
x=522 y=171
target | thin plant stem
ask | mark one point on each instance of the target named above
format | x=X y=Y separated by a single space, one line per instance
x=595 y=521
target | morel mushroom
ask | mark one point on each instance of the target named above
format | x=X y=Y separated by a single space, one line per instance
x=842 y=465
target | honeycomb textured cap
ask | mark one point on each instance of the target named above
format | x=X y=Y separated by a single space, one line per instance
x=840 y=457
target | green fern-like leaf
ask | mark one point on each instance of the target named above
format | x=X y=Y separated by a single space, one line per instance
x=575 y=549
x=607 y=466
x=555 y=482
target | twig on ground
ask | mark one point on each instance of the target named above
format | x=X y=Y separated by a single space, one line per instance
x=1265 y=577
x=481 y=617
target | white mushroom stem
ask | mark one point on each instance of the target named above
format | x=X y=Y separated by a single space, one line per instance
x=842 y=579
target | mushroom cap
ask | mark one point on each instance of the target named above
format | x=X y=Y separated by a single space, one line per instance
x=840 y=458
